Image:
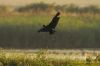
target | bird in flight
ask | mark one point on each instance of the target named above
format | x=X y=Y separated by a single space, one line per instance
x=51 y=26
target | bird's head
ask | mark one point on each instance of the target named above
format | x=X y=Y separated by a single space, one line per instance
x=58 y=13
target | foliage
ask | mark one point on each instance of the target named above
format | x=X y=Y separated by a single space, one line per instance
x=25 y=59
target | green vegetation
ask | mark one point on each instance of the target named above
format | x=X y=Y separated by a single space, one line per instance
x=40 y=58
x=72 y=32
x=79 y=27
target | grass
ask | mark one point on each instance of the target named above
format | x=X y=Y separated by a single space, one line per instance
x=40 y=58
x=72 y=32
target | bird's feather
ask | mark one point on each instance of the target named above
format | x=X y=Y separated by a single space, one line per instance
x=53 y=23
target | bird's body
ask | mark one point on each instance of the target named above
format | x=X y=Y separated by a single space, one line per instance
x=51 y=27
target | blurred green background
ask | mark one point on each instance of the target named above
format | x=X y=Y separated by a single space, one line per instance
x=79 y=27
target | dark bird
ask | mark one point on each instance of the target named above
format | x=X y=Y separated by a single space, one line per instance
x=51 y=26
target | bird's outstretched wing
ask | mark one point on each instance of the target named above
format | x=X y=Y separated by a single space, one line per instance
x=52 y=25
x=54 y=21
